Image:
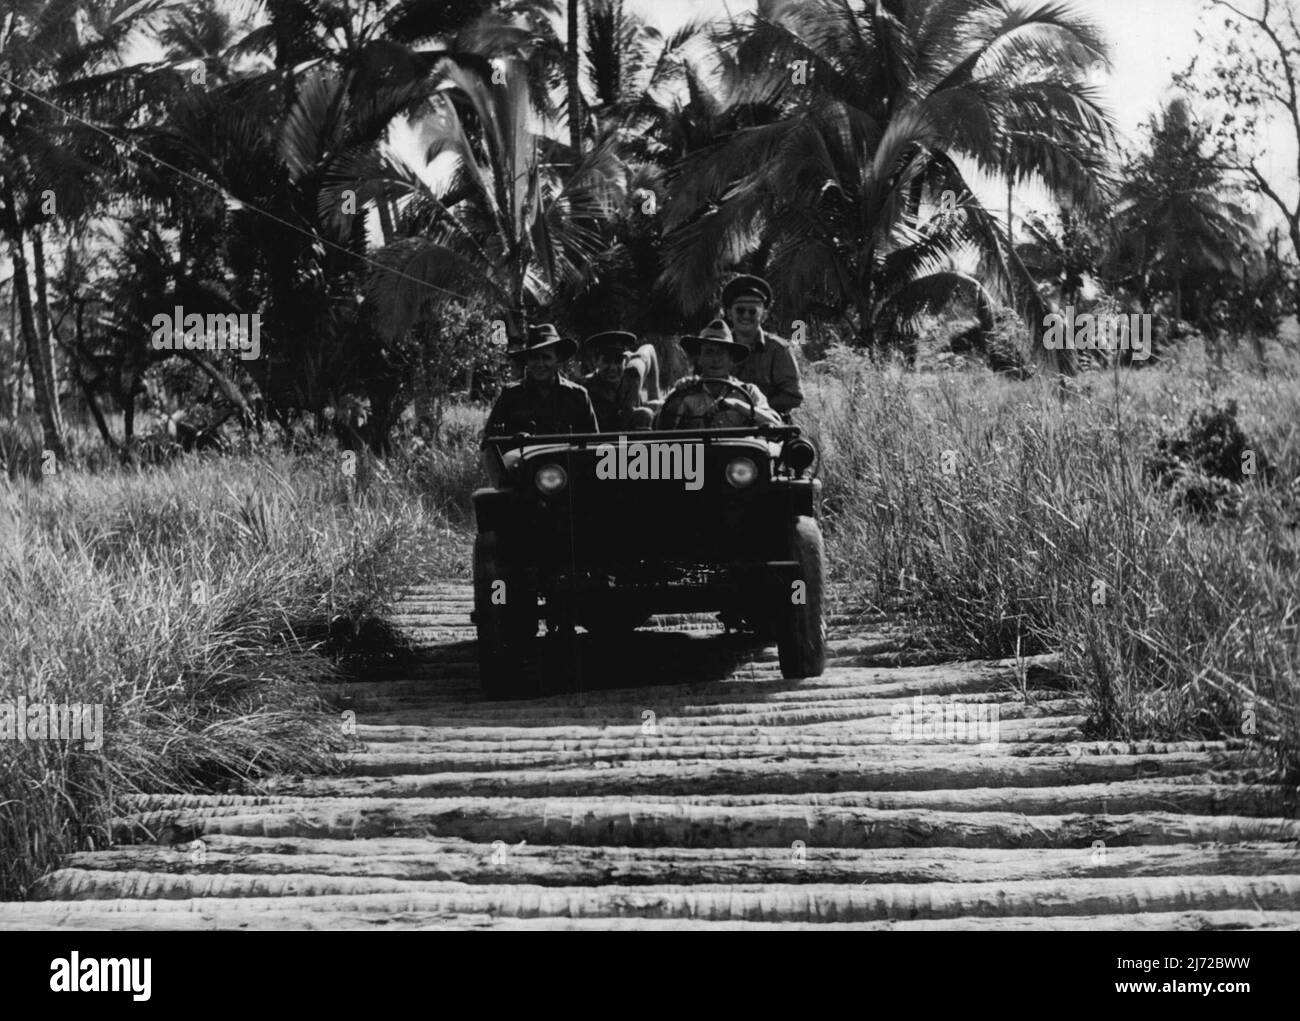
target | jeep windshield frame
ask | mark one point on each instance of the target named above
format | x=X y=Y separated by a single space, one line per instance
x=768 y=432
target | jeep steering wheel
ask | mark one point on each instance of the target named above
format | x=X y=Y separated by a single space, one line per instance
x=753 y=408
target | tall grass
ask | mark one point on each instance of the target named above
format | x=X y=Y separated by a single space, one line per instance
x=444 y=474
x=1007 y=518
x=197 y=604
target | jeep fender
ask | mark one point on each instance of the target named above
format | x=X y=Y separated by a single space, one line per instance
x=492 y=509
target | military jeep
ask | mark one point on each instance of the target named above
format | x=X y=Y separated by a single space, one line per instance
x=584 y=531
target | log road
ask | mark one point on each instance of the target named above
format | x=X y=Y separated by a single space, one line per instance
x=684 y=784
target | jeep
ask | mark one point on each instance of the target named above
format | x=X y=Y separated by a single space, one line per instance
x=603 y=530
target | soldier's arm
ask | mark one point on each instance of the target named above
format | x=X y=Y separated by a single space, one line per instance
x=670 y=414
x=787 y=394
x=490 y=456
x=667 y=413
x=764 y=413
x=496 y=421
x=628 y=394
x=586 y=412
x=645 y=363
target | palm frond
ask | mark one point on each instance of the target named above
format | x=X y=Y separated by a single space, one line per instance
x=415 y=273
x=312 y=129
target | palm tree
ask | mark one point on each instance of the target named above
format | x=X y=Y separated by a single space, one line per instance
x=647 y=95
x=646 y=86
x=855 y=116
x=510 y=219
x=56 y=55
x=1178 y=219
x=267 y=135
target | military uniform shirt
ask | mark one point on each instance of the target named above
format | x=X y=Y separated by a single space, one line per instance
x=522 y=407
x=611 y=403
x=690 y=404
x=772 y=368
x=615 y=405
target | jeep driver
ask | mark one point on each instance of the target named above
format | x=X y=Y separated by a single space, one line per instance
x=715 y=398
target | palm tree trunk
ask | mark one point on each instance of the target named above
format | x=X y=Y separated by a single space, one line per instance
x=867 y=306
x=53 y=435
x=128 y=423
x=229 y=390
x=516 y=318
x=425 y=397
x=44 y=334
x=17 y=404
x=88 y=394
x=915 y=192
x=571 y=68
x=866 y=316
x=88 y=391
x=1011 y=184
x=1293 y=227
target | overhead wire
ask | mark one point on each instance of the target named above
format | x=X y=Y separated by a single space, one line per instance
x=226 y=195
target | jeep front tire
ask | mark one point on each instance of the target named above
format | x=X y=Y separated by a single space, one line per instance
x=800 y=628
x=505 y=612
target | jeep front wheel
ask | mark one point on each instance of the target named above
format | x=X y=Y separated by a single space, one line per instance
x=500 y=618
x=801 y=631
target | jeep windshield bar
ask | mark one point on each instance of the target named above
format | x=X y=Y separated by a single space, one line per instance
x=773 y=432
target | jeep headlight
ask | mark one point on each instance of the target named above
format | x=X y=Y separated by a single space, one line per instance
x=551 y=478
x=798 y=455
x=742 y=472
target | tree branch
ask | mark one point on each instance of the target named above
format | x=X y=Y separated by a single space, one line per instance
x=1292 y=102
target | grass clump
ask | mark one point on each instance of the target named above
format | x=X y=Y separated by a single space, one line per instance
x=198 y=605
x=1008 y=518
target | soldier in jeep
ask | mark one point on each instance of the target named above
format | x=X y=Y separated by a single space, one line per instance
x=625 y=382
x=715 y=398
x=771 y=364
x=543 y=402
